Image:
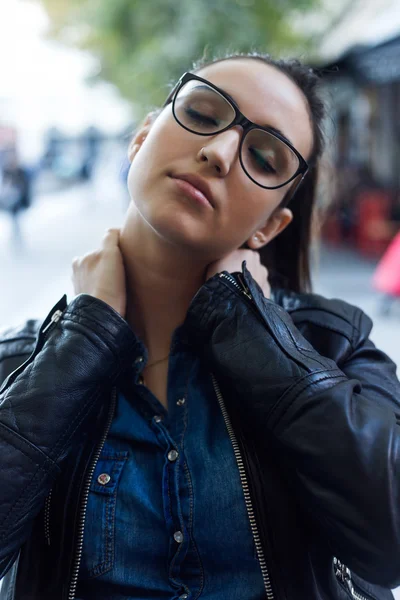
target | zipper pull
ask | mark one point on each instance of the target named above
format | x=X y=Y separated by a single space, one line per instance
x=344 y=574
x=341 y=571
x=55 y=317
x=244 y=286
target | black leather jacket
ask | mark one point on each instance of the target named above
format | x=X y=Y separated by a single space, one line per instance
x=312 y=408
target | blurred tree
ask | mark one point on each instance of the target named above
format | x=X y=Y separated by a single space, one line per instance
x=143 y=45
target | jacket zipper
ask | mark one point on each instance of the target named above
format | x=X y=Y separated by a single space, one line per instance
x=242 y=287
x=246 y=493
x=55 y=317
x=47 y=518
x=85 y=497
x=343 y=574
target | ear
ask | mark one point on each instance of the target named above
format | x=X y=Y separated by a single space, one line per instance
x=139 y=137
x=276 y=223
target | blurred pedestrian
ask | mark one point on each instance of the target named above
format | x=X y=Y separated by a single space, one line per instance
x=15 y=190
x=197 y=423
x=387 y=276
x=54 y=148
x=91 y=141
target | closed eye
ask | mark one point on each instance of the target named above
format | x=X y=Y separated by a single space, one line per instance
x=200 y=118
x=261 y=161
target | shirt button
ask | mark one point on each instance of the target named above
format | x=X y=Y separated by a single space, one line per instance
x=157 y=419
x=178 y=537
x=103 y=479
x=141 y=380
x=173 y=455
x=184 y=597
x=139 y=360
x=181 y=401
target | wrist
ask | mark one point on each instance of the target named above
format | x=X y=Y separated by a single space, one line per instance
x=113 y=302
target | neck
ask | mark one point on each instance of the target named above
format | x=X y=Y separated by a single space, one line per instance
x=161 y=282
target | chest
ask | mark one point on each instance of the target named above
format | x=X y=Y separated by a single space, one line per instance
x=156 y=380
x=167 y=491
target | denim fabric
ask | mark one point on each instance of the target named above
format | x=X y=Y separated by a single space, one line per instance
x=140 y=498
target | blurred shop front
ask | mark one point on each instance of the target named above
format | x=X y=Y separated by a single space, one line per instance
x=363 y=88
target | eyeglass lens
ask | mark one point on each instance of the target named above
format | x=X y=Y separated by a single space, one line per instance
x=266 y=159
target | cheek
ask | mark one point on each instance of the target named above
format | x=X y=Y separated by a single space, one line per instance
x=144 y=168
x=251 y=205
x=133 y=178
x=166 y=144
x=167 y=140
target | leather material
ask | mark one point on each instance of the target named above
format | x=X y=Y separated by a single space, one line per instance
x=314 y=404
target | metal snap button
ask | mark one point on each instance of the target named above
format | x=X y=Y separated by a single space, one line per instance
x=178 y=536
x=181 y=401
x=103 y=479
x=173 y=455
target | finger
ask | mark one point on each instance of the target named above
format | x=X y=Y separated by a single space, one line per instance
x=253 y=259
x=75 y=262
x=111 y=238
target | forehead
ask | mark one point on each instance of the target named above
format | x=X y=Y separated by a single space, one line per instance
x=266 y=96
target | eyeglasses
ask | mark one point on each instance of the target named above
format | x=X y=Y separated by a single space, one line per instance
x=265 y=155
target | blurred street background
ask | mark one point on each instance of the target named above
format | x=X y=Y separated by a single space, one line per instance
x=77 y=77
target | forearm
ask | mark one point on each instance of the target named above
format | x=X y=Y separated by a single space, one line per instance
x=44 y=408
x=340 y=451
x=338 y=443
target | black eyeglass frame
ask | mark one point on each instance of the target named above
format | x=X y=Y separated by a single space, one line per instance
x=241 y=120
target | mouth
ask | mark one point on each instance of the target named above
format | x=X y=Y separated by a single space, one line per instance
x=195 y=187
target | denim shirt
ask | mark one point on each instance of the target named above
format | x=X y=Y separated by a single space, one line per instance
x=166 y=516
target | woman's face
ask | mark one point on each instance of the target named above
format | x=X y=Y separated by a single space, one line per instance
x=239 y=207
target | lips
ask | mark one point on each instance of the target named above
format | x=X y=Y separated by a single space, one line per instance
x=198 y=183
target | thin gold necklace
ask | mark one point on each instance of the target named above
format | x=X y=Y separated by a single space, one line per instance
x=157 y=362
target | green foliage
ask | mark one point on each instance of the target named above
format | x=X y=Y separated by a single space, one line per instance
x=143 y=45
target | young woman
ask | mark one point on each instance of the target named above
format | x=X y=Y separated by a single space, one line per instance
x=180 y=429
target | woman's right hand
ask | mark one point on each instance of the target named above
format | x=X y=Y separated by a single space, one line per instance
x=102 y=273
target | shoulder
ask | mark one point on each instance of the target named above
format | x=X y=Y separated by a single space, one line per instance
x=323 y=316
x=16 y=344
x=19 y=337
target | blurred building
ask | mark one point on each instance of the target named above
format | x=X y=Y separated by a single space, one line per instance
x=363 y=91
x=364 y=88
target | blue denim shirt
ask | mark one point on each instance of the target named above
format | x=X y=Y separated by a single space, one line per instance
x=166 y=515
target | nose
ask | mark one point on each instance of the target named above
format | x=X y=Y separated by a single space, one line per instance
x=221 y=151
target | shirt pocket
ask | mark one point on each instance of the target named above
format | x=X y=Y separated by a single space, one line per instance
x=99 y=535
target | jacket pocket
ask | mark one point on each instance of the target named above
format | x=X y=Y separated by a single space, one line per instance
x=99 y=535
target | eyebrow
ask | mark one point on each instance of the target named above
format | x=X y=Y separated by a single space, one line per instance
x=269 y=127
x=278 y=132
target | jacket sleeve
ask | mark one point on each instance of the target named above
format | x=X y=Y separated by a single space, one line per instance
x=45 y=403
x=336 y=430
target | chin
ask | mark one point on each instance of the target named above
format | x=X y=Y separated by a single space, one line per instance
x=182 y=230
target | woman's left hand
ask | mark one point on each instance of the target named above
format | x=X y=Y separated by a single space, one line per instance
x=233 y=262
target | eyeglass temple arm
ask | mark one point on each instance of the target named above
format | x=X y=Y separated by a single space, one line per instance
x=292 y=190
x=171 y=94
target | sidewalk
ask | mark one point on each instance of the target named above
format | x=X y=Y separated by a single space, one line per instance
x=55 y=229
x=345 y=275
